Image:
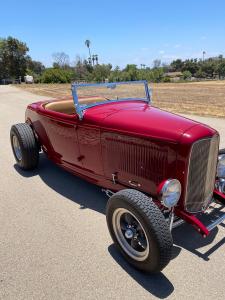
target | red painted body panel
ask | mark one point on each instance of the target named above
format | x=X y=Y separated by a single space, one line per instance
x=139 y=118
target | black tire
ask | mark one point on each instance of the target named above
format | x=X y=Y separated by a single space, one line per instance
x=156 y=229
x=222 y=151
x=28 y=156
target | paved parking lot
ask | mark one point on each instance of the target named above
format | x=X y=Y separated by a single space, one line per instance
x=54 y=242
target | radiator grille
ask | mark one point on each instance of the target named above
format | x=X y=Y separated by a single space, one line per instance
x=201 y=174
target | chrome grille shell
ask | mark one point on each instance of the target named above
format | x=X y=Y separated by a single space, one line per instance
x=201 y=174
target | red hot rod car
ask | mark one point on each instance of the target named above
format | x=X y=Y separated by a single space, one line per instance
x=158 y=169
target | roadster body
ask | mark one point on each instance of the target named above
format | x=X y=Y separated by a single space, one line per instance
x=140 y=155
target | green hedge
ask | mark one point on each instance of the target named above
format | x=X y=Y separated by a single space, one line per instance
x=55 y=75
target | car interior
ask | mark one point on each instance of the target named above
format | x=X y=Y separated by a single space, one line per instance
x=64 y=106
x=67 y=106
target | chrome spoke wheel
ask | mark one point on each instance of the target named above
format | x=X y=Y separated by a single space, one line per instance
x=16 y=147
x=130 y=234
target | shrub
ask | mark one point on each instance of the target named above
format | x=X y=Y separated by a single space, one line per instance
x=156 y=75
x=186 y=75
x=55 y=75
x=200 y=74
x=166 y=79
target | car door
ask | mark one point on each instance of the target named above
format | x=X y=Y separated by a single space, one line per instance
x=62 y=134
x=90 y=147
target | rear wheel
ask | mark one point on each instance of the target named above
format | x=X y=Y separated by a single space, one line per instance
x=139 y=230
x=24 y=146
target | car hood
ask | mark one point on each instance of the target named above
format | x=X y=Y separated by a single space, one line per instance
x=141 y=119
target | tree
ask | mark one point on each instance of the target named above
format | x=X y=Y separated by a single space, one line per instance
x=115 y=75
x=88 y=44
x=35 y=66
x=13 y=58
x=156 y=75
x=200 y=74
x=96 y=59
x=166 y=67
x=132 y=72
x=35 y=69
x=203 y=55
x=221 y=69
x=82 y=70
x=209 y=68
x=61 y=60
x=191 y=65
x=101 y=72
x=156 y=63
x=176 y=65
x=88 y=66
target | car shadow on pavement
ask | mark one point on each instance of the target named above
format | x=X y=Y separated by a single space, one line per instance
x=187 y=238
x=86 y=194
x=156 y=284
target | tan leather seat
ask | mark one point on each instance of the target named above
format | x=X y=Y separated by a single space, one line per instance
x=64 y=106
x=67 y=106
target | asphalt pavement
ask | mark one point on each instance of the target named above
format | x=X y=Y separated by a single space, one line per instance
x=54 y=242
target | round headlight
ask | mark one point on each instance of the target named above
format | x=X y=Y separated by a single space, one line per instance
x=221 y=166
x=170 y=192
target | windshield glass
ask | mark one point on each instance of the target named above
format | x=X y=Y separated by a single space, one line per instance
x=86 y=95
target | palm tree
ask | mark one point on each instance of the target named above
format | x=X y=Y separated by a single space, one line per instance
x=96 y=58
x=87 y=44
x=203 y=55
x=93 y=59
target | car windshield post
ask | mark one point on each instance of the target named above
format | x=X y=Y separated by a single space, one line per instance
x=87 y=95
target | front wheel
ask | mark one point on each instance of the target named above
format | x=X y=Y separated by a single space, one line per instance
x=139 y=230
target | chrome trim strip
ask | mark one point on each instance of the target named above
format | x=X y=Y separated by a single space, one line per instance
x=177 y=223
x=109 y=83
x=216 y=222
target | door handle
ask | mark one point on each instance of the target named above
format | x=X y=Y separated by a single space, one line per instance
x=81 y=157
x=134 y=183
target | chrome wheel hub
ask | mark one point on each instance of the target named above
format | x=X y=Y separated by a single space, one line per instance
x=16 y=147
x=130 y=234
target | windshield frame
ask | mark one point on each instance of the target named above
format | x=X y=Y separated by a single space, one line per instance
x=80 y=109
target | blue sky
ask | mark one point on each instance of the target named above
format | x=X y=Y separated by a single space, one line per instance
x=121 y=32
